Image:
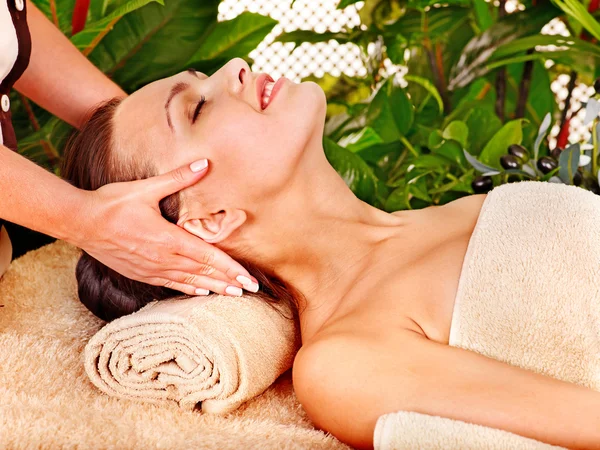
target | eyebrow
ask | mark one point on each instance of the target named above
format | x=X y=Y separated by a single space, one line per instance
x=177 y=89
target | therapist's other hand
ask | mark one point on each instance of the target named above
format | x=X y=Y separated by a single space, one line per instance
x=124 y=229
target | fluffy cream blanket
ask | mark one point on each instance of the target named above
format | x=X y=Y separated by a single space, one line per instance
x=48 y=402
x=528 y=295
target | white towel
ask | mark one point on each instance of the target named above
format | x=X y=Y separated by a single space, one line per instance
x=528 y=295
x=214 y=352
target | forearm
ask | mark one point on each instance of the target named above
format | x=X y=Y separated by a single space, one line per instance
x=470 y=387
x=32 y=197
x=59 y=78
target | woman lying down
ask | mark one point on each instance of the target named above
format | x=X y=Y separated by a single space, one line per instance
x=374 y=292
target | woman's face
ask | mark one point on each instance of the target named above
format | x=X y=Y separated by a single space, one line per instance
x=252 y=151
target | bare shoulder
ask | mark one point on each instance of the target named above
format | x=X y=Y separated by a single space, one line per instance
x=467 y=205
x=463 y=211
x=339 y=381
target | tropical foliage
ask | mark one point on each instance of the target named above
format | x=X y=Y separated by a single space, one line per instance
x=473 y=111
x=475 y=106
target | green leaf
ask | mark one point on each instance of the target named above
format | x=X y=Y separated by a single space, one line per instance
x=88 y=38
x=568 y=161
x=482 y=124
x=475 y=55
x=300 y=36
x=510 y=133
x=64 y=13
x=432 y=161
x=155 y=41
x=398 y=199
x=374 y=153
x=345 y=3
x=577 y=10
x=478 y=165
x=233 y=38
x=452 y=151
x=436 y=23
x=43 y=146
x=458 y=131
x=402 y=108
x=360 y=140
x=380 y=116
x=356 y=173
x=544 y=126
x=428 y=86
x=576 y=53
x=482 y=14
x=435 y=139
x=395 y=47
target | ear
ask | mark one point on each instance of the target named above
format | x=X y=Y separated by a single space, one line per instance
x=216 y=227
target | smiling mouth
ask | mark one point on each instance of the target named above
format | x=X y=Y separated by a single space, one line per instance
x=266 y=94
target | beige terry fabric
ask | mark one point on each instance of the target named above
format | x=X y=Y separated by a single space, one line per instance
x=528 y=295
x=5 y=251
x=48 y=402
x=217 y=350
x=411 y=430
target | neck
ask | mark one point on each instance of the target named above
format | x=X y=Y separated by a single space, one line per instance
x=317 y=236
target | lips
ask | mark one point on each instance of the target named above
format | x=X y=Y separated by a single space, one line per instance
x=261 y=81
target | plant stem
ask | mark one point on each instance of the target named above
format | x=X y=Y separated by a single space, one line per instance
x=443 y=85
x=435 y=63
x=54 y=14
x=570 y=88
x=409 y=146
x=50 y=151
x=524 y=87
x=501 y=75
x=595 y=149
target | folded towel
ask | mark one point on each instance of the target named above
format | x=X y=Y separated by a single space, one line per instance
x=528 y=295
x=411 y=430
x=217 y=350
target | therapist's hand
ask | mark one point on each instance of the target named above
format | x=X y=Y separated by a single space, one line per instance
x=122 y=227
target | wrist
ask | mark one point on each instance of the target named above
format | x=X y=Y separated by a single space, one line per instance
x=75 y=223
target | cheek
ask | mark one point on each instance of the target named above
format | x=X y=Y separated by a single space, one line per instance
x=258 y=152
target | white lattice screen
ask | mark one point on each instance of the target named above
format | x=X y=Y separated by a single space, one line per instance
x=278 y=59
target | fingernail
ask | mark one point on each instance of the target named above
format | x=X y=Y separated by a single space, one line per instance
x=199 y=165
x=233 y=290
x=200 y=291
x=248 y=284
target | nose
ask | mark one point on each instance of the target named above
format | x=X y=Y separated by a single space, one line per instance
x=239 y=76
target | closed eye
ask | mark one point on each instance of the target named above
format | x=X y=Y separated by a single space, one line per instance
x=198 y=109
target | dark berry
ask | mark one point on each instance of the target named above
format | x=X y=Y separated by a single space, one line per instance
x=555 y=153
x=597 y=85
x=510 y=162
x=513 y=178
x=595 y=188
x=482 y=184
x=547 y=164
x=577 y=178
x=519 y=151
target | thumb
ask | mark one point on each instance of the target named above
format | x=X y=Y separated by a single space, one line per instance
x=161 y=186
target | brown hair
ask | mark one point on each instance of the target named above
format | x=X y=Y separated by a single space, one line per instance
x=89 y=163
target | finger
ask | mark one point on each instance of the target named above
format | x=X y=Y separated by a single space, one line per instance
x=161 y=186
x=207 y=255
x=185 y=288
x=205 y=282
x=188 y=265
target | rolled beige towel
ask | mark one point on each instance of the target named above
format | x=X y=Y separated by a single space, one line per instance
x=217 y=350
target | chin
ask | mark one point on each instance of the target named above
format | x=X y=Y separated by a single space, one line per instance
x=314 y=99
